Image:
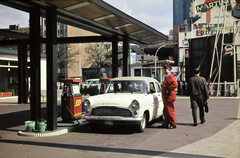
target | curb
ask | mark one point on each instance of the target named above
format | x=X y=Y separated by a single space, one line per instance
x=51 y=133
x=37 y=134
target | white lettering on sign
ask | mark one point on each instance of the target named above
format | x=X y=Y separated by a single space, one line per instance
x=210 y=5
x=216 y=17
x=208 y=29
x=208 y=25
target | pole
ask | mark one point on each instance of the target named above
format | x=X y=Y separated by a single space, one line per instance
x=215 y=45
x=234 y=53
x=182 y=68
x=155 y=59
x=156 y=55
x=220 y=66
x=79 y=64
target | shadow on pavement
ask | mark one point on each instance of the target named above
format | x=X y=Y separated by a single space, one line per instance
x=232 y=118
x=13 y=119
x=105 y=149
x=184 y=124
x=106 y=129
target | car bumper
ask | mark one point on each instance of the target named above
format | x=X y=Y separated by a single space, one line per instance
x=115 y=120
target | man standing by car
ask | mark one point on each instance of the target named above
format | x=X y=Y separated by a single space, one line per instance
x=169 y=96
x=197 y=89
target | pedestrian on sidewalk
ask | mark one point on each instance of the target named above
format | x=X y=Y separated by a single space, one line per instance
x=197 y=89
x=169 y=96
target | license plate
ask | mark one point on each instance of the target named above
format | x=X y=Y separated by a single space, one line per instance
x=110 y=123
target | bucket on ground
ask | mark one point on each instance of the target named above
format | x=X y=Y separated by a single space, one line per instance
x=30 y=126
x=41 y=125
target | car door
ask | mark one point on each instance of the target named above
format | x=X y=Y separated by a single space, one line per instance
x=155 y=101
x=160 y=101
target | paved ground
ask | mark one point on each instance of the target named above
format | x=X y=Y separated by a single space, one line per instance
x=218 y=137
x=224 y=143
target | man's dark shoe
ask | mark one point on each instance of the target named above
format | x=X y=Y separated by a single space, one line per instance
x=202 y=122
x=162 y=126
x=172 y=127
x=195 y=124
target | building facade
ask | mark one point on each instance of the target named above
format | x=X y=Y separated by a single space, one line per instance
x=208 y=36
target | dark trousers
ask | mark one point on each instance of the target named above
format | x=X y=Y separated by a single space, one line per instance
x=194 y=114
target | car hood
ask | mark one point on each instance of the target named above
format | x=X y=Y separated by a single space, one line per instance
x=114 y=99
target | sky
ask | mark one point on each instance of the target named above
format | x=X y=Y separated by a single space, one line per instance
x=155 y=13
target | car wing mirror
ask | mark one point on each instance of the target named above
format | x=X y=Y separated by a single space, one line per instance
x=152 y=91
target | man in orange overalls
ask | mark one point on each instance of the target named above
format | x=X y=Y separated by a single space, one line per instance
x=169 y=96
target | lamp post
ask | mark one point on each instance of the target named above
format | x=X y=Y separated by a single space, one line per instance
x=157 y=52
x=155 y=58
x=185 y=44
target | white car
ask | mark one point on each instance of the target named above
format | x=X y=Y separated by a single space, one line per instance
x=126 y=101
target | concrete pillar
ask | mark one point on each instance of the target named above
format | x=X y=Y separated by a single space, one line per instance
x=51 y=25
x=35 y=56
x=22 y=74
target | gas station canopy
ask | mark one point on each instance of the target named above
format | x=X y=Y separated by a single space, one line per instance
x=95 y=16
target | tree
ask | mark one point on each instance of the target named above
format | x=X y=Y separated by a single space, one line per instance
x=99 y=54
x=65 y=56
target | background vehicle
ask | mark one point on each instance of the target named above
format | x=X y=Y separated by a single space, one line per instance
x=90 y=86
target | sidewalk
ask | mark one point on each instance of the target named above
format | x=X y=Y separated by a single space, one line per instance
x=225 y=143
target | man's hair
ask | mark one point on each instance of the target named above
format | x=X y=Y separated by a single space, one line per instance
x=196 y=71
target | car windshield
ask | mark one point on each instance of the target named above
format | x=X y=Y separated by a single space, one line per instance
x=126 y=87
x=92 y=82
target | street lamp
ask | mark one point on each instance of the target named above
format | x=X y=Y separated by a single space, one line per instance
x=155 y=58
x=157 y=52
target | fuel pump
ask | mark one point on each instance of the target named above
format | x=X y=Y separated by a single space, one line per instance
x=71 y=100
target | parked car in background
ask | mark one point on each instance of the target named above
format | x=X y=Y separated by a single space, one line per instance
x=126 y=101
x=90 y=86
x=92 y=81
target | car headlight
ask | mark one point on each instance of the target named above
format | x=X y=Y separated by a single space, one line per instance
x=87 y=105
x=135 y=104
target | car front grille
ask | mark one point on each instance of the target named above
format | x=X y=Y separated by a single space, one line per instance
x=111 y=111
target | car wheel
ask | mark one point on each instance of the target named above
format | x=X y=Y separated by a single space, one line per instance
x=142 y=124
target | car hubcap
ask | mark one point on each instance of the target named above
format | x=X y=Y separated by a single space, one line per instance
x=143 y=123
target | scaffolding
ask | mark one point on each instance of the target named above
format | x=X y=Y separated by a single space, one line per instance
x=229 y=48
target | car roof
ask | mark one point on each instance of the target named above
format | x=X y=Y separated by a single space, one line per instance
x=134 y=79
x=97 y=79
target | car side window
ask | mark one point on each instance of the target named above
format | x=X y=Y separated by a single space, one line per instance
x=158 y=89
x=152 y=87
